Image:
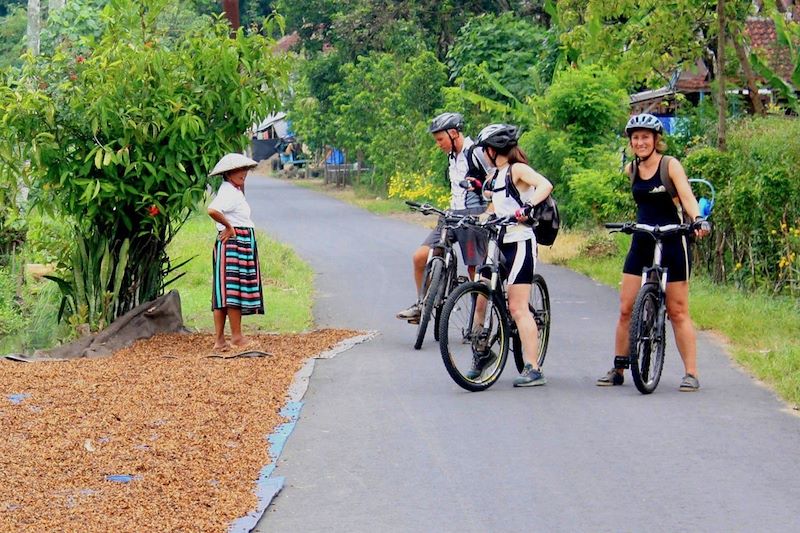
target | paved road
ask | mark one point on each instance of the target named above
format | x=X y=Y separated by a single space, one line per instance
x=387 y=442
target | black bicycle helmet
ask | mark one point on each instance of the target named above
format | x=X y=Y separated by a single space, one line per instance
x=644 y=121
x=447 y=121
x=498 y=136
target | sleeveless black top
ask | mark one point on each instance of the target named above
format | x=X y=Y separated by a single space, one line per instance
x=653 y=202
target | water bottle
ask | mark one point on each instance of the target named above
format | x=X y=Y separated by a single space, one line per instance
x=705 y=207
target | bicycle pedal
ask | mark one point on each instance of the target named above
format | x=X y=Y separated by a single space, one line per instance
x=414 y=321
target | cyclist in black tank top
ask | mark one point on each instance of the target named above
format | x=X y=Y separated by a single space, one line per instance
x=655 y=206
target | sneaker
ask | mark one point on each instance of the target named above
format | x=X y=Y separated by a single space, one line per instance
x=479 y=362
x=611 y=378
x=689 y=383
x=412 y=313
x=530 y=377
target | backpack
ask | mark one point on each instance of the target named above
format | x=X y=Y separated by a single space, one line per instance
x=474 y=170
x=663 y=170
x=545 y=219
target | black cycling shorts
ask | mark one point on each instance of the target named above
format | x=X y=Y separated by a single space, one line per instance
x=519 y=261
x=676 y=256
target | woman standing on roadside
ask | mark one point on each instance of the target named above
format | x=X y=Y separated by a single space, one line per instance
x=516 y=188
x=236 y=273
x=656 y=206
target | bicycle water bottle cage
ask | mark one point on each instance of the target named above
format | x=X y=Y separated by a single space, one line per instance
x=621 y=362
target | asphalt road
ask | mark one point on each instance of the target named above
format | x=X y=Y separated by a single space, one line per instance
x=387 y=442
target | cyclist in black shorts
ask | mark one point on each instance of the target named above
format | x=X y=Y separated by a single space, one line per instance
x=656 y=206
x=466 y=174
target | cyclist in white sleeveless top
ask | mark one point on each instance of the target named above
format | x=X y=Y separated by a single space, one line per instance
x=515 y=189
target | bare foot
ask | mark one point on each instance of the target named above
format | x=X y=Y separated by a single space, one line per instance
x=221 y=347
x=240 y=341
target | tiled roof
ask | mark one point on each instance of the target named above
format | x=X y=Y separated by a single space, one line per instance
x=764 y=40
x=287 y=42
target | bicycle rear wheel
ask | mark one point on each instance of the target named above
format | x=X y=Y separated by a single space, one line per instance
x=539 y=306
x=432 y=280
x=474 y=346
x=647 y=340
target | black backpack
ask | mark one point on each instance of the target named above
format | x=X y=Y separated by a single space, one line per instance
x=545 y=219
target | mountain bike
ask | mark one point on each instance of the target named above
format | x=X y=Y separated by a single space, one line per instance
x=476 y=329
x=647 y=335
x=441 y=270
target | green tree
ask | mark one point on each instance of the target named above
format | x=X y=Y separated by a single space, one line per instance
x=12 y=33
x=121 y=138
x=510 y=48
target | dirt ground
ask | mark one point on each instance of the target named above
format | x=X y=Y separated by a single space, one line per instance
x=188 y=430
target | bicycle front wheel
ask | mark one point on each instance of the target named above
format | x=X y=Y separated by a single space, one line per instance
x=473 y=337
x=433 y=279
x=647 y=340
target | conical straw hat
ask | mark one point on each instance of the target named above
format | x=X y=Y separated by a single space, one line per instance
x=232 y=162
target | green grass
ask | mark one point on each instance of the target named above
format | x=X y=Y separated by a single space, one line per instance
x=763 y=331
x=33 y=323
x=288 y=282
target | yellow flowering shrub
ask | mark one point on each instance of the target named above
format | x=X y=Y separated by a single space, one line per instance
x=419 y=187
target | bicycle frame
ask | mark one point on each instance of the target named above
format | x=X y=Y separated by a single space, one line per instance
x=492 y=264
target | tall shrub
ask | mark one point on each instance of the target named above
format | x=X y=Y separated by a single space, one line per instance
x=121 y=138
x=757 y=215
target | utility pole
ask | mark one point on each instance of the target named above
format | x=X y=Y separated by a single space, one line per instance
x=231 y=9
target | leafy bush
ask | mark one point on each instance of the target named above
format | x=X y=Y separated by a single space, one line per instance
x=419 y=187
x=589 y=103
x=600 y=194
x=758 y=202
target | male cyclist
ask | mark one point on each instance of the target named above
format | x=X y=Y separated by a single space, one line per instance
x=466 y=174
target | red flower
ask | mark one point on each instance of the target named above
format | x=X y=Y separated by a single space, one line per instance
x=153 y=210
x=80 y=59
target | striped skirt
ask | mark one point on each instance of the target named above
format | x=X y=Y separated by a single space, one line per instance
x=237 y=275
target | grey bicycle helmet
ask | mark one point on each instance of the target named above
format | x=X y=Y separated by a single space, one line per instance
x=498 y=136
x=644 y=121
x=447 y=121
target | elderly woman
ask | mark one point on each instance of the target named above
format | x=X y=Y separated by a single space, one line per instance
x=236 y=274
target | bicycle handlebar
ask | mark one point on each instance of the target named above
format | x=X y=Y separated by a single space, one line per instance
x=656 y=231
x=451 y=221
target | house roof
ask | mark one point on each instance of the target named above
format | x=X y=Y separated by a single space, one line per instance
x=763 y=38
x=287 y=42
